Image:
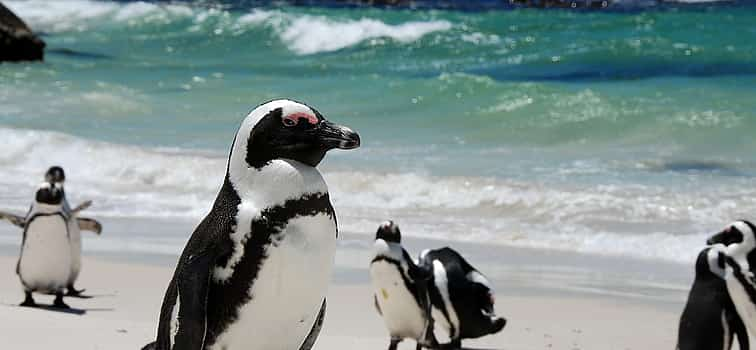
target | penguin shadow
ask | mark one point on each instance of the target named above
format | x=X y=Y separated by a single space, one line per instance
x=69 y=311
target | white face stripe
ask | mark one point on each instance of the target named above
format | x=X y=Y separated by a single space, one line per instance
x=477 y=277
x=712 y=258
x=739 y=251
x=237 y=162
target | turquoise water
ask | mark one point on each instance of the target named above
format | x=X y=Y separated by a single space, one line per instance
x=593 y=131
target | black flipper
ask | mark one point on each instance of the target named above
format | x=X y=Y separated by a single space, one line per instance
x=87 y=224
x=150 y=346
x=193 y=285
x=16 y=220
x=315 y=331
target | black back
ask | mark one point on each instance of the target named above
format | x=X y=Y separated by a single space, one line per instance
x=468 y=298
x=701 y=323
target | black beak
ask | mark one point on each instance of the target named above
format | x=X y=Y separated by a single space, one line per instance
x=333 y=135
x=719 y=238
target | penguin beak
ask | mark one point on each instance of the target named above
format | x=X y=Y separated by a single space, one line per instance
x=333 y=135
x=723 y=237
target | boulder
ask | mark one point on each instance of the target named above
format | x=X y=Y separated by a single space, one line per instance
x=17 y=41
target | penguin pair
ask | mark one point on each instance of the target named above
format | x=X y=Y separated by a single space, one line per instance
x=709 y=320
x=739 y=256
x=45 y=204
x=254 y=273
x=57 y=176
x=460 y=298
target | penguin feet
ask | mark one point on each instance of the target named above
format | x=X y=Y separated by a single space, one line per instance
x=28 y=300
x=452 y=345
x=59 y=302
x=72 y=292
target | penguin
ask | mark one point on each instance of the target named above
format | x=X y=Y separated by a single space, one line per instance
x=740 y=255
x=709 y=320
x=45 y=258
x=254 y=273
x=462 y=298
x=55 y=174
x=400 y=290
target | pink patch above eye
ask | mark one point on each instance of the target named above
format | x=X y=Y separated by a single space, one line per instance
x=295 y=117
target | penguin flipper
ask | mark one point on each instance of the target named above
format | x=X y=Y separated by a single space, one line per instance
x=309 y=342
x=377 y=306
x=87 y=224
x=13 y=219
x=80 y=207
x=193 y=283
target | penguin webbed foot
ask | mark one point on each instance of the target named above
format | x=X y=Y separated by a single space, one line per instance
x=73 y=292
x=28 y=301
x=59 y=303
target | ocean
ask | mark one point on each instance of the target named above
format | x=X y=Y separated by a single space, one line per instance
x=621 y=133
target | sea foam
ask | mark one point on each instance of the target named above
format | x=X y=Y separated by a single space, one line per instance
x=635 y=220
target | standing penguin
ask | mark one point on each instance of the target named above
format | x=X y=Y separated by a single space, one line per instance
x=462 y=298
x=45 y=259
x=709 y=320
x=740 y=258
x=57 y=176
x=254 y=273
x=401 y=290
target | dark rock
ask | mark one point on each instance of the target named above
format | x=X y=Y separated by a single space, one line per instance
x=17 y=41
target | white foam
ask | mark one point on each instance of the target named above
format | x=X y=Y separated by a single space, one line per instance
x=78 y=15
x=647 y=221
x=307 y=34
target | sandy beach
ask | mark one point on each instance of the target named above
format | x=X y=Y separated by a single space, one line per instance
x=552 y=300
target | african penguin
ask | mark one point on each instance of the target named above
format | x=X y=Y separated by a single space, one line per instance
x=462 y=298
x=45 y=258
x=254 y=273
x=740 y=255
x=709 y=320
x=57 y=176
x=400 y=290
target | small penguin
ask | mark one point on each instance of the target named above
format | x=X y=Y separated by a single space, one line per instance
x=740 y=257
x=709 y=320
x=45 y=258
x=400 y=290
x=462 y=298
x=254 y=273
x=57 y=176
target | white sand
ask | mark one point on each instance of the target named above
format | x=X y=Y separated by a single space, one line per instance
x=124 y=313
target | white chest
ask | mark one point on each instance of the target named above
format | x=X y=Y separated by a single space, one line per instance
x=45 y=261
x=289 y=290
x=401 y=313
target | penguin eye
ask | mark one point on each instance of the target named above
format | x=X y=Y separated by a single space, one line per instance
x=289 y=122
x=294 y=119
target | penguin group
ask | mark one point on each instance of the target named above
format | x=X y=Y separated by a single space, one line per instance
x=721 y=306
x=254 y=274
x=50 y=257
x=439 y=288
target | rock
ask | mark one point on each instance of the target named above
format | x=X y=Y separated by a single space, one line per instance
x=17 y=41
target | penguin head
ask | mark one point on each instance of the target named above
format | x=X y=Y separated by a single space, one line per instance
x=389 y=232
x=285 y=129
x=55 y=174
x=736 y=232
x=49 y=193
